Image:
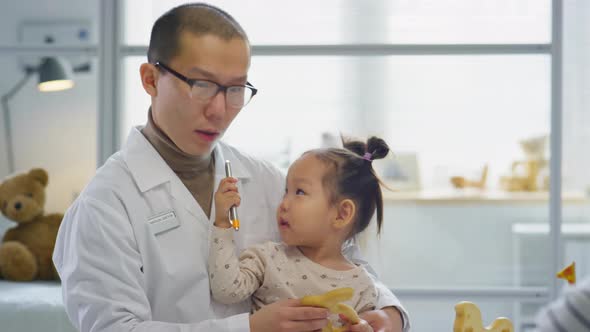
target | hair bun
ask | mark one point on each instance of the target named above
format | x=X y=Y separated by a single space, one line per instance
x=377 y=147
x=356 y=147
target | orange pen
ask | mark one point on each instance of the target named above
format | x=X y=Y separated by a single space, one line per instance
x=233 y=211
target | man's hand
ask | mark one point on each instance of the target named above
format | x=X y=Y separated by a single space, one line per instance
x=288 y=316
x=226 y=196
x=388 y=319
x=362 y=326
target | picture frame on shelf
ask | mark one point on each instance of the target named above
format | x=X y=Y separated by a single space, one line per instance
x=400 y=172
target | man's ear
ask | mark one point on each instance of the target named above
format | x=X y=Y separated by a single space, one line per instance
x=346 y=210
x=149 y=76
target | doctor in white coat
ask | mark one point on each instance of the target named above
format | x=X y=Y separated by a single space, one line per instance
x=132 y=249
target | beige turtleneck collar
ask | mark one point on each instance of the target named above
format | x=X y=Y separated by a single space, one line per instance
x=197 y=173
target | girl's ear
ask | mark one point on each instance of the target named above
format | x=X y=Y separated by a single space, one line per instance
x=346 y=210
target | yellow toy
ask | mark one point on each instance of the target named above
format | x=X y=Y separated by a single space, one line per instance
x=468 y=319
x=461 y=182
x=331 y=301
x=568 y=273
x=526 y=174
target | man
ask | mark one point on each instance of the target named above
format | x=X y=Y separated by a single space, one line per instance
x=132 y=250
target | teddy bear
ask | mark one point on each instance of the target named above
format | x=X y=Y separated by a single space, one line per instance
x=26 y=249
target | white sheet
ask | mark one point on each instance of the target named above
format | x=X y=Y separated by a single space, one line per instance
x=32 y=306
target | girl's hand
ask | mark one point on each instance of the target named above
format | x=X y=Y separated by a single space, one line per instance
x=226 y=196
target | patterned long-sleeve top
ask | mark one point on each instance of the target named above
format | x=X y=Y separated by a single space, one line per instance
x=272 y=271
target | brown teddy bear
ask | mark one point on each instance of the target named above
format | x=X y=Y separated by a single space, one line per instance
x=26 y=249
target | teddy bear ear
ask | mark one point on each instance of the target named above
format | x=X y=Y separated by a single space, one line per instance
x=40 y=175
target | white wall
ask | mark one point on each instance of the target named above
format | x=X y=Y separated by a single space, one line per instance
x=56 y=131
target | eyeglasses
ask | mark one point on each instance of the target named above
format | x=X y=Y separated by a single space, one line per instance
x=236 y=96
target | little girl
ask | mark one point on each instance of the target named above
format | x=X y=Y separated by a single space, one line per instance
x=330 y=196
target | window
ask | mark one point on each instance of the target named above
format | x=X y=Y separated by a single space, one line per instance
x=329 y=22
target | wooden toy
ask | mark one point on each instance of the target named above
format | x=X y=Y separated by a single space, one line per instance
x=468 y=319
x=526 y=175
x=461 y=182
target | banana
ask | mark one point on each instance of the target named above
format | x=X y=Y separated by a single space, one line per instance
x=331 y=301
x=347 y=312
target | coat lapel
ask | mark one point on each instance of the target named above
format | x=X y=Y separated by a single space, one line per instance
x=150 y=170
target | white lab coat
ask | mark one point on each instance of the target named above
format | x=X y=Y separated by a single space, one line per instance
x=132 y=250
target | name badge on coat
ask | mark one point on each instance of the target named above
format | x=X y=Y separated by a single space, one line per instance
x=163 y=222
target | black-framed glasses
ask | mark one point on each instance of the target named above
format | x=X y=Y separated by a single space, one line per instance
x=236 y=96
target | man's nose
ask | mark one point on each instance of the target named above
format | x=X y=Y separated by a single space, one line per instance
x=216 y=106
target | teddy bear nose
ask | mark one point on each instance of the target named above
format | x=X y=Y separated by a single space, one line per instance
x=18 y=205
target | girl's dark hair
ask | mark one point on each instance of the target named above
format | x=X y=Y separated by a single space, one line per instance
x=350 y=175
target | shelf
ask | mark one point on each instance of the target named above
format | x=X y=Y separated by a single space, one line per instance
x=568 y=230
x=479 y=197
x=529 y=294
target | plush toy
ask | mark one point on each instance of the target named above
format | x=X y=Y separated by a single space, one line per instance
x=26 y=249
x=331 y=301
